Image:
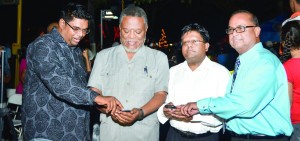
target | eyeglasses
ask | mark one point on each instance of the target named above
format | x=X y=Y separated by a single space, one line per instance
x=77 y=29
x=194 y=42
x=238 y=29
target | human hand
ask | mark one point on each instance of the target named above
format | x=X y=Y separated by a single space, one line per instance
x=109 y=104
x=189 y=109
x=177 y=115
x=101 y=108
x=169 y=109
x=126 y=118
x=85 y=54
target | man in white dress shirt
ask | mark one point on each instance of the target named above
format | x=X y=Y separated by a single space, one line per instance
x=196 y=78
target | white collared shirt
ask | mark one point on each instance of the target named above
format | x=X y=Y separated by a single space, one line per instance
x=208 y=80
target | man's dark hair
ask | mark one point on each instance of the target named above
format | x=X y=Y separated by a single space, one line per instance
x=253 y=17
x=73 y=10
x=198 y=28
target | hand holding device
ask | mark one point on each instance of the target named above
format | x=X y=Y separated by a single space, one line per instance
x=170 y=106
x=126 y=110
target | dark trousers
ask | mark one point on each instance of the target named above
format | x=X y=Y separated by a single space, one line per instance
x=249 y=137
x=242 y=139
x=173 y=135
x=296 y=133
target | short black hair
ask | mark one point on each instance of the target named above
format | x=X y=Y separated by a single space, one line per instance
x=198 y=28
x=74 y=10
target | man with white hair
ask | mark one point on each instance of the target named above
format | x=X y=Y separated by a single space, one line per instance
x=137 y=76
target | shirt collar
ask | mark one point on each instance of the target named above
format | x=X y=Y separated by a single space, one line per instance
x=252 y=52
x=122 y=47
x=202 y=66
x=57 y=36
x=140 y=52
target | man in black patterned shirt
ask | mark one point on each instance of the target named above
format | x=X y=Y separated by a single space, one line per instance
x=56 y=98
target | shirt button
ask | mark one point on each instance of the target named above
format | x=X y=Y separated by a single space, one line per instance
x=128 y=84
x=126 y=101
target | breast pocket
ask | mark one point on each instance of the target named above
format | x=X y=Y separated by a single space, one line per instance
x=145 y=81
x=110 y=80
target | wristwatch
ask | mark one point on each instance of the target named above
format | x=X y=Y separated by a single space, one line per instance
x=141 y=114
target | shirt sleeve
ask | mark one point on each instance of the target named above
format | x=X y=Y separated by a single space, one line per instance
x=54 y=68
x=160 y=114
x=161 y=82
x=95 y=76
x=256 y=87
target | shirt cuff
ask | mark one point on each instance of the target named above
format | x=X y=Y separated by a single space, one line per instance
x=93 y=95
x=204 y=106
x=161 y=116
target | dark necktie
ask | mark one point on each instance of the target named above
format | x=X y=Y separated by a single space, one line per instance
x=236 y=67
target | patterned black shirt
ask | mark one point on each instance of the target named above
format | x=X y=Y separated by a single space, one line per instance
x=56 y=98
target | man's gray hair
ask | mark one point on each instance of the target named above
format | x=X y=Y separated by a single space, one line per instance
x=134 y=11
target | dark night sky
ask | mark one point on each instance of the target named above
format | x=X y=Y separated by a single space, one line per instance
x=173 y=16
x=168 y=14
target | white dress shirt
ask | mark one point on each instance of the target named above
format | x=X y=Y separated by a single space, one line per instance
x=208 y=80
